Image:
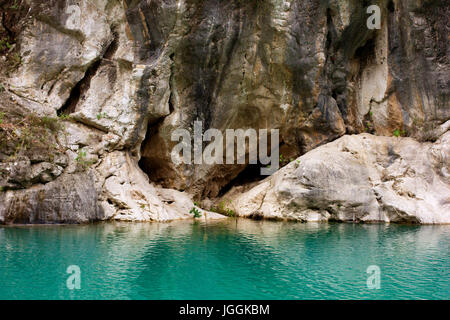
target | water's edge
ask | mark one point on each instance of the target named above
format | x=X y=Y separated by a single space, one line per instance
x=226 y=259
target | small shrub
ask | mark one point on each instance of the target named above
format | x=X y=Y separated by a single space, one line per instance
x=82 y=161
x=223 y=209
x=230 y=212
x=5 y=44
x=81 y=156
x=195 y=212
x=50 y=123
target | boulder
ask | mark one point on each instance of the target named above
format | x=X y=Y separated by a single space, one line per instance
x=357 y=178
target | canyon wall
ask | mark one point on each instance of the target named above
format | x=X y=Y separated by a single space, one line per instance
x=91 y=91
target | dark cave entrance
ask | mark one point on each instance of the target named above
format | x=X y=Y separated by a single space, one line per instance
x=366 y=53
x=151 y=162
x=249 y=176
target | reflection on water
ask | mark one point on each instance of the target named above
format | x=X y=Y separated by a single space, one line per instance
x=233 y=259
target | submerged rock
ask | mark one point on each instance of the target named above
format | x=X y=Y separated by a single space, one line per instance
x=359 y=178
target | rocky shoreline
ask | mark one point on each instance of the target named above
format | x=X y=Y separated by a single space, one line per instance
x=91 y=93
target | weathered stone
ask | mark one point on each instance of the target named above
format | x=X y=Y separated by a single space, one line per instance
x=131 y=72
x=69 y=199
x=360 y=178
x=57 y=46
x=127 y=195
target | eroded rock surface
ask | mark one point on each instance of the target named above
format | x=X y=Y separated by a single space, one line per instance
x=360 y=178
x=69 y=199
x=128 y=73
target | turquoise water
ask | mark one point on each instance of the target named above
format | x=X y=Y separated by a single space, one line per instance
x=233 y=259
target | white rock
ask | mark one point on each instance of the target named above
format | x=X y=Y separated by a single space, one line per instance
x=127 y=195
x=360 y=178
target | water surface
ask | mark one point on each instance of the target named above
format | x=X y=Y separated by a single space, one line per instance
x=233 y=259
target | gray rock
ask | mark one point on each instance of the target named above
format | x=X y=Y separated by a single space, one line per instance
x=69 y=199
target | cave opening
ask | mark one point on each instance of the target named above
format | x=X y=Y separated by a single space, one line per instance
x=251 y=174
x=150 y=162
x=247 y=177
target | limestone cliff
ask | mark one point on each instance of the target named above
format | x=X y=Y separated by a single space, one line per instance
x=91 y=91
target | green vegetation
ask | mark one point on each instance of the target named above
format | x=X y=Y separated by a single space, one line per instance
x=64 y=117
x=81 y=156
x=223 y=209
x=195 y=212
x=5 y=44
x=101 y=115
x=399 y=133
x=15 y=5
x=368 y=123
x=82 y=161
x=16 y=60
x=19 y=134
x=51 y=123
x=14 y=19
x=284 y=161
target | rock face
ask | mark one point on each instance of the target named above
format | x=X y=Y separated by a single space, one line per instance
x=360 y=178
x=130 y=72
x=67 y=200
